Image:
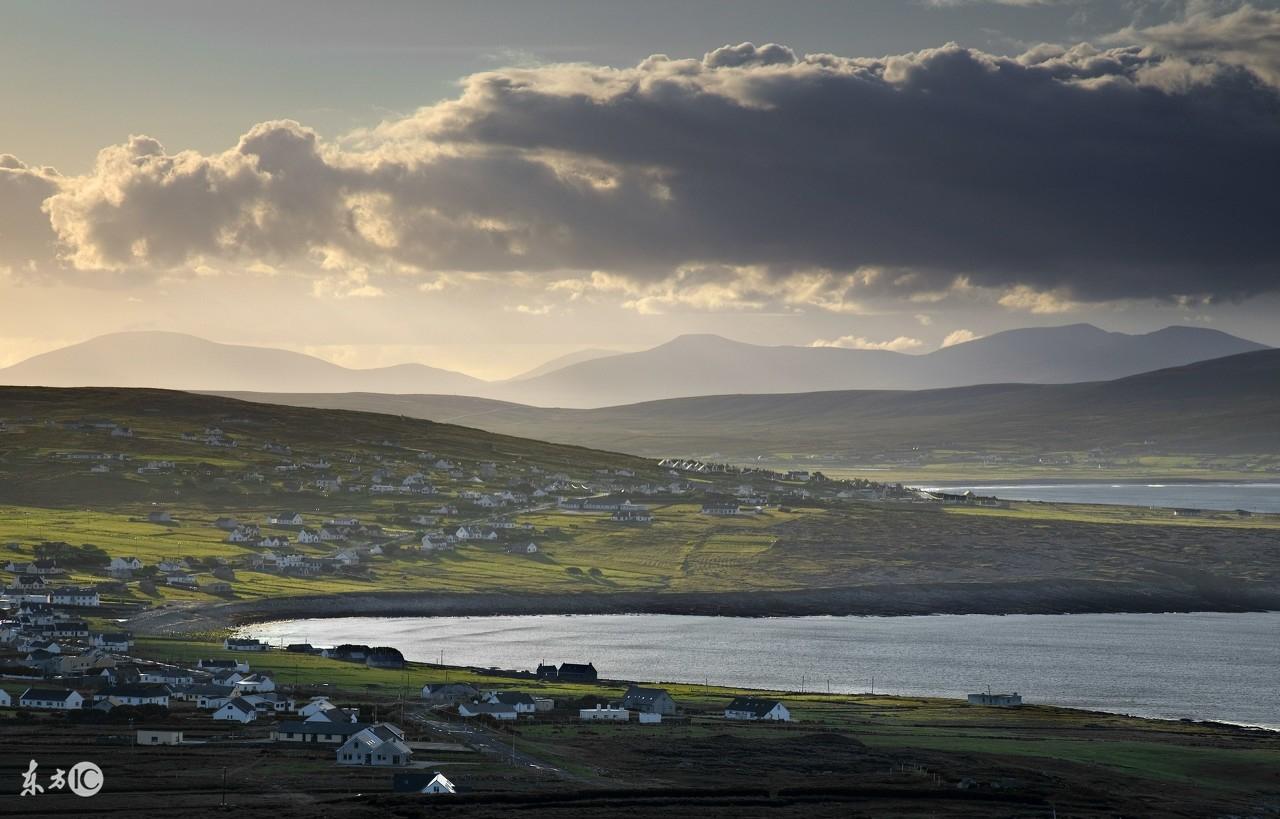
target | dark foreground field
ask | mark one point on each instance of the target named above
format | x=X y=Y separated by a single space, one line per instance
x=702 y=770
x=846 y=755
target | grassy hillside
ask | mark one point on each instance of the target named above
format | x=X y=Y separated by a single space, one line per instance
x=819 y=552
x=1212 y=417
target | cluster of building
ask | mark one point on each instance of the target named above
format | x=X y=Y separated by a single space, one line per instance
x=648 y=705
x=43 y=631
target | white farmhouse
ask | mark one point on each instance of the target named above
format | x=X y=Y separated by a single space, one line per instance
x=236 y=710
x=484 y=709
x=604 y=713
x=376 y=745
x=254 y=684
x=72 y=596
x=123 y=565
x=751 y=708
x=54 y=699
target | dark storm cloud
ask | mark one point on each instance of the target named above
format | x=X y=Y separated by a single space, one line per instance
x=1108 y=173
x=1094 y=174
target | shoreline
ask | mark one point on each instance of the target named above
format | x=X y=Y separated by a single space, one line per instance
x=1124 y=481
x=1048 y=597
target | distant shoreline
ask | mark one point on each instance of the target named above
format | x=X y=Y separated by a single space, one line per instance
x=1047 y=597
x=1144 y=481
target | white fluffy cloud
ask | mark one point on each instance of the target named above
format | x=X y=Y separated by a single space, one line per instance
x=1246 y=36
x=1025 y=298
x=959 y=337
x=901 y=344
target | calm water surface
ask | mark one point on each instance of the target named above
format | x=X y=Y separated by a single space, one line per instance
x=1255 y=497
x=1201 y=666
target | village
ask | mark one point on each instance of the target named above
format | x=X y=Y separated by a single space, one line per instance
x=64 y=654
x=58 y=670
x=355 y=510
x=118 y=638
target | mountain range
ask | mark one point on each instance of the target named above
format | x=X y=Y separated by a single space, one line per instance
x=1228 y=405
x=690 y=365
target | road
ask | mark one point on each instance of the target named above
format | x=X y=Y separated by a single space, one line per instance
x=474 y=734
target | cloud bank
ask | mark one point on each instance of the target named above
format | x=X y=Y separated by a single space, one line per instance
x=753 y=177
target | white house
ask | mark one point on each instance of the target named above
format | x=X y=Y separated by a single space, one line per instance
x=5 y=700
x=422 y=783
x=607 y=713
x=236 y=710
x=308 y=536
x=315 y=705
x=57 y=699
x=751 y=708
x=165 y=675
x=484 y=709
x=244 y=534
x=124 y=564
x=112 y=640
x=519 y=701
x=376 y=745
x=475 y=533
x=228 y=678
x=529 y=548
x=209 y=700
x=285 y=519
x=254 y=684
x=136 y=695
x=438 y=785
x=71 y=596
x=266 y=703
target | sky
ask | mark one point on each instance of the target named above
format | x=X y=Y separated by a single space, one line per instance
x=482 y=186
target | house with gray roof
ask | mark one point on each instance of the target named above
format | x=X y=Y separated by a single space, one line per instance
x=649 y=700
x=381 y=745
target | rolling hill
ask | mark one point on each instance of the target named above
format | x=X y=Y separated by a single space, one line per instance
x=686 y=366
x=1227 y=405
x=38 y=423
x=183 y=362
